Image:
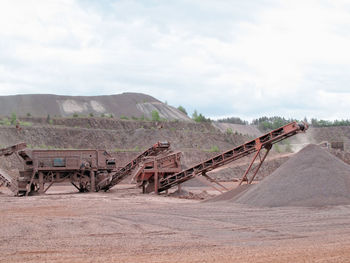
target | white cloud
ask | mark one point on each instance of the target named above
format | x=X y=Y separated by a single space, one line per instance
x=222 y=58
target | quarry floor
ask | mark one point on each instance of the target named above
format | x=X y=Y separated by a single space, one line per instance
x=124 y=225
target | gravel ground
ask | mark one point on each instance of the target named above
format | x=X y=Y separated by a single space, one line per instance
x=125 y=226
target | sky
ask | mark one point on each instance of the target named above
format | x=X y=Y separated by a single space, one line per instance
x=222 y=58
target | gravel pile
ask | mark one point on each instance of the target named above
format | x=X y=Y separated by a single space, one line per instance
x=230 y=195
x=313 y=177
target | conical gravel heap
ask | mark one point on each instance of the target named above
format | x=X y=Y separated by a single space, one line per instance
x=313 y=177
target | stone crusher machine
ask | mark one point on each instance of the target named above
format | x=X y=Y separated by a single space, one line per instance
x=152 y=177
x=87 y=170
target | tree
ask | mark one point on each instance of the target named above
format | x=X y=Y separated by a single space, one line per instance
x=195 y=115
x=199 y=117
x=234 y=120
x=155 y=116
x=182 y=109
x=229 y=131
x=270 y=123
x=13 y=118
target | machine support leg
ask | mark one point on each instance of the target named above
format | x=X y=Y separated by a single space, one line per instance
x=75 y=185
x=47 y=188
x=52 y=180
x=41 y=183
x=261 y=162
x=179 y=188
x=156 y=178
x=30 y=184
x=92 y=181
x=156 y=183
x=213 y=180
x=249 y=167
x=207 y=183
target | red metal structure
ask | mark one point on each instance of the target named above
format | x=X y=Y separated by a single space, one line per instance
x=262 y=143
x=87 y=170
x=156 y=167
x=117 y=176
x=5 y=179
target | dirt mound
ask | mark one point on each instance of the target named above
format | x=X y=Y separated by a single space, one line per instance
x=313 y=177
x=126 y=104
x=195 y=182
x=250 y=130
x=183 y=194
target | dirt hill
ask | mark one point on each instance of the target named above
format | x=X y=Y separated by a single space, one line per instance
x=250 y=130
x=126 y=104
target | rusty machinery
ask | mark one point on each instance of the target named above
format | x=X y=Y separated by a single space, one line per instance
x=162 y=181
x=94 y=170
x=156 y=167
x=87 y=170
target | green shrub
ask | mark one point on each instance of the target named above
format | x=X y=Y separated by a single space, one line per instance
x=214 y=149
x=235 y=120
x=155 y=116
x=5 y=121
x=13 y=118
x=48 y=118
x=123 y=117
x=135 y=149
x=26 y=123
x=229 y=131
x=182 y=109
x=75 y=115
x=199 y=117
x=277 y=148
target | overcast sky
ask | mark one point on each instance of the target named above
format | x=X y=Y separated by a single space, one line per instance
x=223 y=58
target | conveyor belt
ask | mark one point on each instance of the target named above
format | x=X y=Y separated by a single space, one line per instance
x=264 y=141
x=8 y=181
x=5 y=179
x=119 y=175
